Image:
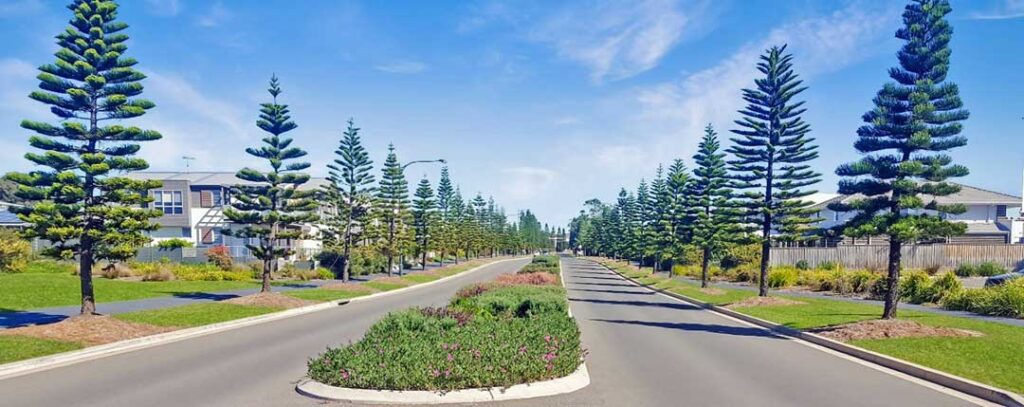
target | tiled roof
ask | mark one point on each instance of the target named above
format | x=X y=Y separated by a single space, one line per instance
x=968 y=195
x=220 y=178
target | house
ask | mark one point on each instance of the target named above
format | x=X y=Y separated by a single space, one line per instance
x=991 y=217
x=193 y=209
x=9 y=219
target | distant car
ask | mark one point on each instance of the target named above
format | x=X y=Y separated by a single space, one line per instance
x=1004 y=278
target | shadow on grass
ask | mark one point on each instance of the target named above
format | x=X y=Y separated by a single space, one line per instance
x=14 y=319
x=691 y=327
x=613 y=291
x=672 y=305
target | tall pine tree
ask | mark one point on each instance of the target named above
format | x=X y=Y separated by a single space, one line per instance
x=269 y=202
x=78 y=202
x=915 y=120
x=350 y=192
x=423 y=212
x=772 y=156
x=445 y=194
x=676 y=214
x=715 y=217
x=393 y=205
x=457 y=224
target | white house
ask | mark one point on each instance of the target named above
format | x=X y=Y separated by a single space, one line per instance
x=991 y=217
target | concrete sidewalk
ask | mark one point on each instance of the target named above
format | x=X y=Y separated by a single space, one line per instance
x=14 y=319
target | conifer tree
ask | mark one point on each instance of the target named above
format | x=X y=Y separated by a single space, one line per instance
x=644 y=221
x=457 y=222
x=772 y=155
x=715 y=218
x=350 y=192
x=269 y=202
x=676 y=215
x=393 y=205
x=915 y=120
x=445 y=193
x=78 y=202
x=659 y=204
x=423 y=212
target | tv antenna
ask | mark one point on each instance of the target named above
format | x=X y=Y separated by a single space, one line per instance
x=187 y=159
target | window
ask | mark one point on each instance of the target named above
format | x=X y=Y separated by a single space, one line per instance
x=211 y=236
x=1000 y=211
x=168 y=201
x=211 y=198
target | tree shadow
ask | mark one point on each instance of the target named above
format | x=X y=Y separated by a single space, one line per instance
x=601 y=284
x=15 y=319
x=205 y=296
x=613 y=291
x=575 y=272
x=601 y=278
x=672 y=305
x=692 y=327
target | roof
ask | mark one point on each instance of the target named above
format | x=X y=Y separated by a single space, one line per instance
x=9 y=219
x=219 y=178
x=985 y=228
x=968 y=195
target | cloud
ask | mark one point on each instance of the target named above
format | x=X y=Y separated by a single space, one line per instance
x=525 y=183
x=167 y=8
x=402 y=67
x=1009 y=9
x=615 y=40
x=215 y=16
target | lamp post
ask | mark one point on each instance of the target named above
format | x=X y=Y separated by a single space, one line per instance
x=439 y=160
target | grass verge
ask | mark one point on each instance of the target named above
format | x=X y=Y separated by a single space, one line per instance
x=25 y=291
x=993 y=358
x=14 y=348
x=195 y=314
x=321 y=294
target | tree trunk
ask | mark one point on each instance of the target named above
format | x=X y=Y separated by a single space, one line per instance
x=267 y=267
x=766 y=250
x=704 y=264
x=892 y=294
x=424 y=265
x=85 y=260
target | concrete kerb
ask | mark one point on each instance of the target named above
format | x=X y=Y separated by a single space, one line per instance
x=562 y=385
x=95 y=352
x=963 y=385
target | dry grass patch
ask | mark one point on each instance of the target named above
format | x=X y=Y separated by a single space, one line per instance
x=89 y=330
x=272 y=300
x=712 y=291
x=890 y=328
x=763 y=302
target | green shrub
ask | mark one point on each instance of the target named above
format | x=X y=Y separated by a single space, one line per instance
x=781 y=277
x=50 y=266
x=171 y=244
x=366 y=260
x=965 y=270
x=324 y=274
x=986 y=269
x=740 y=255
x=208 y=272
x=863 y=280
x=691 y=255
x=841 y=281
x=915 y=286
x=14 y=252
x=220 y=256
x=514 y=301
x=744 y=275
x=817 y=280
x=828 y=265
x=803 y=265
x=1005 y=300
x=943 y=286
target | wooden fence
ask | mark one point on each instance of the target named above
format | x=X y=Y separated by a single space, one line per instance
x=919 y=256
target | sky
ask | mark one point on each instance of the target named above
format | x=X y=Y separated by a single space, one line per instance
x=540 y=104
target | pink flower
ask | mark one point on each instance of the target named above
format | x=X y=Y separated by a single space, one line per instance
x=436 y=373
x=547 y=338
x=548 y=357
x=344 y=374
x=522 y=350
x=450 y=357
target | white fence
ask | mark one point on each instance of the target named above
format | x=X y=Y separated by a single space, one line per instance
x=914 y=256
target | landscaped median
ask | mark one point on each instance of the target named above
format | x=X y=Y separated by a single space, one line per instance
x=79 y=332
x=511 y=331
x=986 y=352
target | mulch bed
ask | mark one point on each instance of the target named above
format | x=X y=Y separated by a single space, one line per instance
x=89 y=330
x=763 y=302
x=273 y=300
x=889 y=328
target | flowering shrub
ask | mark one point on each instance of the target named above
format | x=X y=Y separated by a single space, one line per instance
x=526 y=336
x=220 y=256
x=527 y=279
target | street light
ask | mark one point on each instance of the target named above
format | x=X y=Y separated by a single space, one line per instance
x=439 y=160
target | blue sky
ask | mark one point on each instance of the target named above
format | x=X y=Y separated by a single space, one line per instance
x=541 y=104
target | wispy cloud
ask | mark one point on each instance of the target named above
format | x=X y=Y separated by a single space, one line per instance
x=525 y=183
x=168 y=8
x=216 y=15
x=1009 y=9
x=402 y=67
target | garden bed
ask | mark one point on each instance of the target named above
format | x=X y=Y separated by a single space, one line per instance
x=88 y=330
x=497 y=334
x=886 y=329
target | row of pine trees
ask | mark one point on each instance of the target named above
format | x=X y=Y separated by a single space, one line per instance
x=752 y=191
x=81 y=201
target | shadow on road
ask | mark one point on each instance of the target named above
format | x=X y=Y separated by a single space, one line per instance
x=600 y=278
x=602 y=284
x=612 y=291
x=672 y=305
x=711 y=328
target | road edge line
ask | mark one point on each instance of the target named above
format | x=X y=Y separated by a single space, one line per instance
x=957 y=383
x=42 y=363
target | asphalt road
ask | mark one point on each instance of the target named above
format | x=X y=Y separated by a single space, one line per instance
x=252 y=366
x=650 y=350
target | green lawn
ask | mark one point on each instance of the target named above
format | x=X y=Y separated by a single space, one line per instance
x=420 y=278
x=14 y=348
x=24 y=291
x=322 y=294
x=381 y=286
x=994 y=358
x=195 y=314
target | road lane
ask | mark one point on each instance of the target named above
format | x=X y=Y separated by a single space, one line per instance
x=650 y=350
x=252 y=366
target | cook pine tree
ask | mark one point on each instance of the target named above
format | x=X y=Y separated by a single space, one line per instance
x=714 y=211
x=78 y=198
x=772 y=157
x=424 y=208
x=905 y=166
x=393 y=206
x=445 y=194
x=350 y=192
x=268 y=204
